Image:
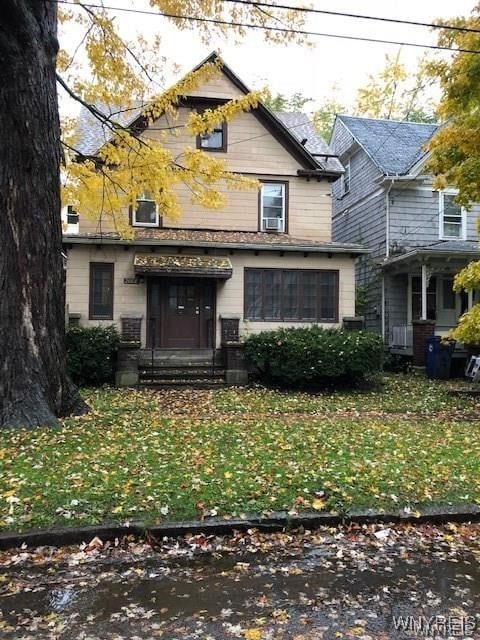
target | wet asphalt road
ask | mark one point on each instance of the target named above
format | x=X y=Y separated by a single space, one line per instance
x=370 y=582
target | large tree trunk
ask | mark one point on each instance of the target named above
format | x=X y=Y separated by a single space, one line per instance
x=34 y=386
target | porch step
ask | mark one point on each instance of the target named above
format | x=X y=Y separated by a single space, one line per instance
x=182 y=384
x=174 y=373
x=179 y=357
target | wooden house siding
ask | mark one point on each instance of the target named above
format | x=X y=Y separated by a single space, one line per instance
x=415 y=220
x=252 y=151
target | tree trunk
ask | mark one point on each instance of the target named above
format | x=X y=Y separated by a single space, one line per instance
x=34 y=386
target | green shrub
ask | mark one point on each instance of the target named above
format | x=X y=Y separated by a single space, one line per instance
x=311 y=356
x=91 y=354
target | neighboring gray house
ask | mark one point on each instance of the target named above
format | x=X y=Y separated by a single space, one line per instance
x=418 y=237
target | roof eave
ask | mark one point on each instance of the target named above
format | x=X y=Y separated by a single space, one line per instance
x=250 y=246
x=430 y=253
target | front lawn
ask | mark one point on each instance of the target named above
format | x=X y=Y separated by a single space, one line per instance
x=173 y=455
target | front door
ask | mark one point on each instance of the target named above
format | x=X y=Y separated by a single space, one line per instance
x=181 y=313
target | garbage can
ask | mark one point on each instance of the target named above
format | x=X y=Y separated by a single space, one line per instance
x=438 y=357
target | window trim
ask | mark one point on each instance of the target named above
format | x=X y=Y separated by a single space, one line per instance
x=111 y=268
x=282 y=319
x=133 y=212
x=441 y=219
x=344 y=189
x=223 y=148
x=285 y=204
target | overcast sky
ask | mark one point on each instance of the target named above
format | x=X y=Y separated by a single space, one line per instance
x=309 y=70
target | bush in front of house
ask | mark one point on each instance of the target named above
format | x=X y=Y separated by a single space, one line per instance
x=91 y=354
x=309 y=356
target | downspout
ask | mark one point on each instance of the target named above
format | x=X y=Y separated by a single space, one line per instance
x=387 y=249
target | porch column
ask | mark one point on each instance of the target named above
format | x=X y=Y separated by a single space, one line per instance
x=424 y=292
x=470 y=299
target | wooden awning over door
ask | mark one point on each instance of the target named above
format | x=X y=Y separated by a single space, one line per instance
x=201 y=266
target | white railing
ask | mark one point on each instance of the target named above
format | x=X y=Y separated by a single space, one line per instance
x=402 y=337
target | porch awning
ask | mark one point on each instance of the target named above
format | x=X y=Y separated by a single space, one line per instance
x=201 y=266
x=453 y=254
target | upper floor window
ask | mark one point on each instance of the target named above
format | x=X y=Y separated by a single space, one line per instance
x=101 y=291
x=273 y=206
x=215 y=140
x=345 y=180
x=452 y=218
x=145 y=213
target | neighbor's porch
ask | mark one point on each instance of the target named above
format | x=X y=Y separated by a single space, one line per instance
x=419 y=298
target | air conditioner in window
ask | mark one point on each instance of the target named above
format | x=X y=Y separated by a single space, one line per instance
x=273 y=224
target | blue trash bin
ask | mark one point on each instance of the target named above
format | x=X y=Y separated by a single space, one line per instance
x=438 y=357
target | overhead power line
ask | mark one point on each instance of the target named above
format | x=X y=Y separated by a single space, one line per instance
x=249 y=25
x=357 y=16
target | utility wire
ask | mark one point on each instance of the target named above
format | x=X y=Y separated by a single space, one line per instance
x=357 y=16
x=249 y=25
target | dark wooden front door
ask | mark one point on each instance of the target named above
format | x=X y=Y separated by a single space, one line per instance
x=181 y=313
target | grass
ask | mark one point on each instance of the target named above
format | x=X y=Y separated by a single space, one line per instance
x=178 y=454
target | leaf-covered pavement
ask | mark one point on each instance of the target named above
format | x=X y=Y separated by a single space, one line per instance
x=367 y=582
x=177 y=454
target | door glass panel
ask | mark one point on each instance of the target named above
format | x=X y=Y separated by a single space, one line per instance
x=417 y=299
x=449 y=301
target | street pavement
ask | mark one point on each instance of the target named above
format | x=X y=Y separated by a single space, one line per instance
x=361 y=582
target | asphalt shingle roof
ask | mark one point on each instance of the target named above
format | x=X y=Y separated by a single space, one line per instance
x=300 y=126
x=394 y=145
x=200 y=237
x=92 y=134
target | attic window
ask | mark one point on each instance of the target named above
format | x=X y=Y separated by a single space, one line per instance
x=214 y=141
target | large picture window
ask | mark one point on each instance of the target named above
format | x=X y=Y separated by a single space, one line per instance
x=273 y=206
x=291 y=295
x=101 y=291
x=452 y=218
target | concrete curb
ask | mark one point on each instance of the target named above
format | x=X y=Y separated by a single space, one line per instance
x=278 y=521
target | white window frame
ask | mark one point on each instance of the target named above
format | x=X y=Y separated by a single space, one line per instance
x=441 y=209
x=284 y=206
x=142 y=198
x=345 y=184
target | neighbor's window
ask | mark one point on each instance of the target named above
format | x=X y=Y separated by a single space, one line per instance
x=291 y=295
x=273 y=206
x=452 y=218
x=214 y=141
x=145 y=212
x=345 y=180
x=101 y=291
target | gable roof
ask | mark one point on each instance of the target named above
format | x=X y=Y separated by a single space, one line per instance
x=393 y=145
x=92 y=133
x=302 y=128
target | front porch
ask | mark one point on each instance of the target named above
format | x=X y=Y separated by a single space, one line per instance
x=419 y=300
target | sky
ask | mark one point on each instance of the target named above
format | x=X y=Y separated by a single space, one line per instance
x=292 y=68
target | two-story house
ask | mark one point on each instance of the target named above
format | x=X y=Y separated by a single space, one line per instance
x=418 y=237
x=266 y=260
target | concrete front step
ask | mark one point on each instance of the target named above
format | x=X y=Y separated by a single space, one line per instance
x=173 y=354
x=179 y=374
x=181 y=384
